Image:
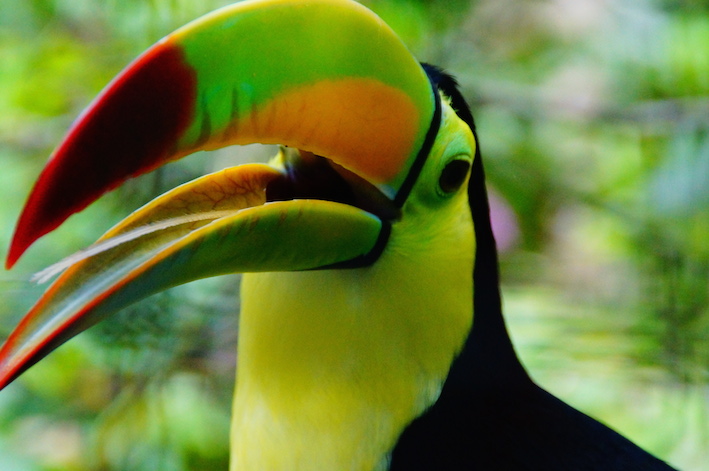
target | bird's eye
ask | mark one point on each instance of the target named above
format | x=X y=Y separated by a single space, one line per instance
x=453 y=175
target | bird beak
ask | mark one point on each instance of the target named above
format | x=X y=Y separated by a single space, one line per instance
x=327 y=80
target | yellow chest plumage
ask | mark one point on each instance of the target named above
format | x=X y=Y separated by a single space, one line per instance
x=332 y=365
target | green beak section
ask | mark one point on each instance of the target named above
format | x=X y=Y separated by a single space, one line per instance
x=217 y=224
x=325 y=76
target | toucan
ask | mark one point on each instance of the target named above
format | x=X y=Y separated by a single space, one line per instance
x=371 y=334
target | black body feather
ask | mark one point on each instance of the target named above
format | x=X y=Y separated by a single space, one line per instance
x=491 y=415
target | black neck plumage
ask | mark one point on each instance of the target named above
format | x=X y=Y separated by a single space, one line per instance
x=490 y=414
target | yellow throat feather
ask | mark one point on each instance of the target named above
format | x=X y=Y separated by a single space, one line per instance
x=333 y=364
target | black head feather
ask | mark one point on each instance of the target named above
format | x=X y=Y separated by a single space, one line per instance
x=447 y=84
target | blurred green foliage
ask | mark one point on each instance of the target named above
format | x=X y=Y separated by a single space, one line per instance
x=594 y=124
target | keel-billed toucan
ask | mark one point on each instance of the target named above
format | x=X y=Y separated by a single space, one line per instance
x=371 y=334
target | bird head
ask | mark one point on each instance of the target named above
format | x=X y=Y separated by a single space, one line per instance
x=368 y=143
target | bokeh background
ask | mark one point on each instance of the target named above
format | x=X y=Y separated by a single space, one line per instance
x=593 y=117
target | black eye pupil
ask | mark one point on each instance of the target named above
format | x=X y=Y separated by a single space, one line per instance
x=453 y=175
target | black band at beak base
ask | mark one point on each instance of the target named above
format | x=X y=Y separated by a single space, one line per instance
x=373 y=255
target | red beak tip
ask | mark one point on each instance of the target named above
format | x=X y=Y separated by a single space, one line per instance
x=15 y=252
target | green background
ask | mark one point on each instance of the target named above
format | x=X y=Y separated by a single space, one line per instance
x=593 y=119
